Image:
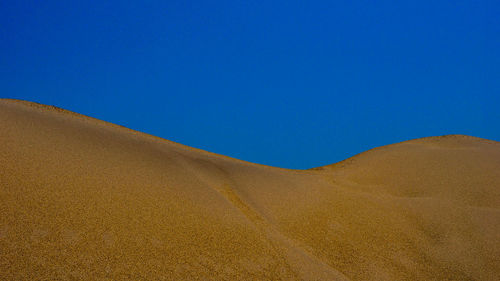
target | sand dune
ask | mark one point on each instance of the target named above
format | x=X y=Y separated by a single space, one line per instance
x=82 y=199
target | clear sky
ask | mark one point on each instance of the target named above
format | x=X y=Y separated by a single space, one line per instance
x=294 y=84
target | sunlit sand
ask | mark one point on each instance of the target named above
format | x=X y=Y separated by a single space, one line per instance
x=83 y=199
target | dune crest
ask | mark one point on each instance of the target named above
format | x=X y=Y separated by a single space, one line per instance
x=83 y=199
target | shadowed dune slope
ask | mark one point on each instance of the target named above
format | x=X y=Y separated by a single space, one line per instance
x=82 y=199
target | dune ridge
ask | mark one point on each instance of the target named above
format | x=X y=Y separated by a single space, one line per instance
x=86 y=199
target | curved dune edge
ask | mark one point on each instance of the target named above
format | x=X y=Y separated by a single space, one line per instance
x=85 y=199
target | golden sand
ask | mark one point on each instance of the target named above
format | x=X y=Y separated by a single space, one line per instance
x=82 y=199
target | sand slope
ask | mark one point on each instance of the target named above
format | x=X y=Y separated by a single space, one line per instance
x=82 y=199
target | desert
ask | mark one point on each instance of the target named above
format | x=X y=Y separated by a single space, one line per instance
x=83 y=199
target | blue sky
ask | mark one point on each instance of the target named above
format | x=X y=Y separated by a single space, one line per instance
x=294 y=84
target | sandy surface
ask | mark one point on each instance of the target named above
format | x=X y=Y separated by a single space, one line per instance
x=82 y=199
